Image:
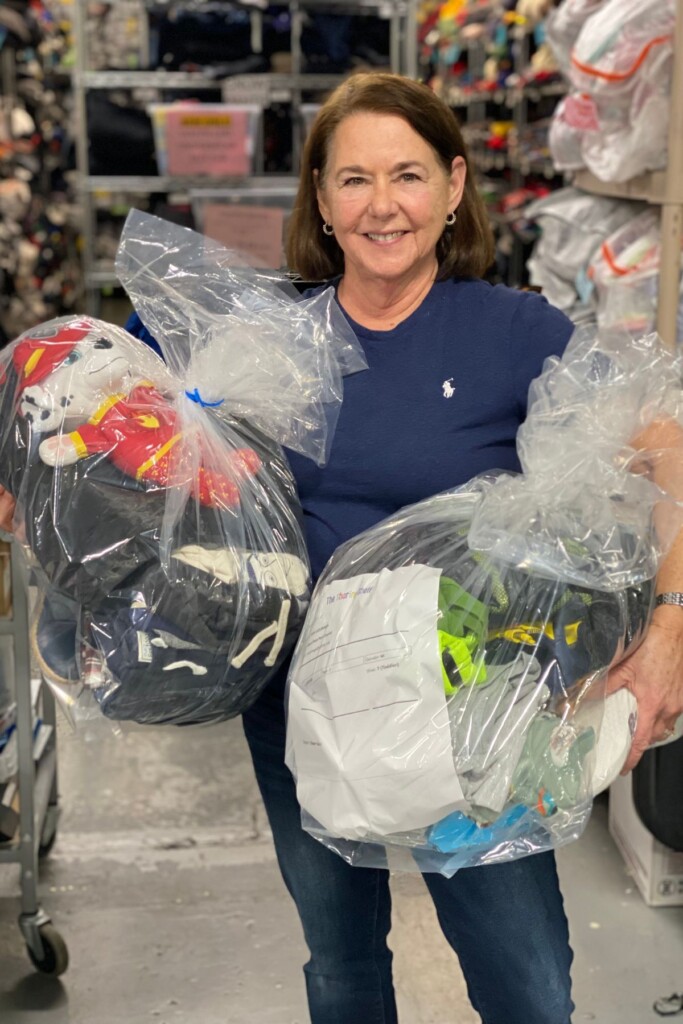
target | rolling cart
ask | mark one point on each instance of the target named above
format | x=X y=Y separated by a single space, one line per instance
x=30 y=800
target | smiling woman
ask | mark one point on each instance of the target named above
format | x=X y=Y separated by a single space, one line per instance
x=388 y=213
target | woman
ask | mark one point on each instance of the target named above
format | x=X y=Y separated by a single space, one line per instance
x=387 y=210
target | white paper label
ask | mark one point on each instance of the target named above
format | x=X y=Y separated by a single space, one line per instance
x=369 y=737
x=144 y=649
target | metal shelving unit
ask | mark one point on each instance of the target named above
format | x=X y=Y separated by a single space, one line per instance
x=34 y=791
x=474 y=102
x=262 y=89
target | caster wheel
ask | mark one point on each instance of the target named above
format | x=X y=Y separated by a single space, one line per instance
x=55 y=958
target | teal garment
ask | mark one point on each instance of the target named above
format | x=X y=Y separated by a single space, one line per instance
x=551 y=771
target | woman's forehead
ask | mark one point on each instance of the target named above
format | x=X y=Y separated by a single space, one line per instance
x=369 y=134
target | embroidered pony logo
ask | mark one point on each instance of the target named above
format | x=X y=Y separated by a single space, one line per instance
x=448 y=389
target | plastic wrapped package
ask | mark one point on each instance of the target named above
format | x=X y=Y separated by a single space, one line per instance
x=154 y=497
x=622 y=45
x=613 y=142
x=621 y=150
x=446 y=699
x=625 y=271
x=589 y=516
x=615 y=119
x=573 y=225
x=563 y=25
x=630 y=303
x=632 y=248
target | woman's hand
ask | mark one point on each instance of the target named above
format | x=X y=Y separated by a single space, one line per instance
x=654 y=675
x=7 y=506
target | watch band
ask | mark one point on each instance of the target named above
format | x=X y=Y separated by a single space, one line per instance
x=673 y=597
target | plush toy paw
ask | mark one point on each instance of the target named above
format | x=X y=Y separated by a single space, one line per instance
x=58 y=451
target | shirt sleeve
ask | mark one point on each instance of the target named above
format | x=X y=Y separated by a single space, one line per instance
x=135 y=326
x=538 y=330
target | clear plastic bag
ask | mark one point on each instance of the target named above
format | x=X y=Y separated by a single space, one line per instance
x=563 y=25
x=286 y=356
x=446 y=699
x=625 y=272
x=573 y=226
x=615 y=120
x=154 y=500
x=631 y=143
x=622 y=45
x=630 y=303
x=632 y=248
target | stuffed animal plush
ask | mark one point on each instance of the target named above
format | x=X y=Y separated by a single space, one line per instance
x=134 y=424
x=110 y=471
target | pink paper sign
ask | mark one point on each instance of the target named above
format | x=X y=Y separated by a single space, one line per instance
x=212 y=142
x=255 y=231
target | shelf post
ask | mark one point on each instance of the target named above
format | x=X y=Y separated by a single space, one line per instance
x=672 y=211
x=86 y=200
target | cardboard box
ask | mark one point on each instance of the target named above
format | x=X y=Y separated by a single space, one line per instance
x=656 y=869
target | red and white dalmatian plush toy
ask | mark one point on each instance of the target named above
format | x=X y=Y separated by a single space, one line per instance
x=92 y=384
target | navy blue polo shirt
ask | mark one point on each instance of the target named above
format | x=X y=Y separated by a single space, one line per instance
x=441 y=401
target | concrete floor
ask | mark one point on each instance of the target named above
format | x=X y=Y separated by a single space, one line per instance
x=163 y=883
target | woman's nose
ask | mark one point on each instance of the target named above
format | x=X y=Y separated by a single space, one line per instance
x=382 y=201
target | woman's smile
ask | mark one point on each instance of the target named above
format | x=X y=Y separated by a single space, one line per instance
x=386 y=237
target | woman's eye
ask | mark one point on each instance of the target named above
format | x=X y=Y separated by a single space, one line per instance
x=353 y=181
x=409 y=176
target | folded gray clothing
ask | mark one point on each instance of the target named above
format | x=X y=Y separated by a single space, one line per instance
x=489 y=722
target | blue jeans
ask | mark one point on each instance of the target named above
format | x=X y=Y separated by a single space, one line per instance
x=505 y=922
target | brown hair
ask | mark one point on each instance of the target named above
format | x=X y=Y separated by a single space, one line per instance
x=464 y=250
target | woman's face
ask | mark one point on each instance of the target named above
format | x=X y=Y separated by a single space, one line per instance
x=387 y=196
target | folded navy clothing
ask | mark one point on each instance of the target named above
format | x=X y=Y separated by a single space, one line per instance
x=161 y=676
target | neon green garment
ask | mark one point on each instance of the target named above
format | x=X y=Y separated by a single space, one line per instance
x=463 y=623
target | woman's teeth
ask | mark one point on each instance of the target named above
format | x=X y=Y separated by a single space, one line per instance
x=385 y=238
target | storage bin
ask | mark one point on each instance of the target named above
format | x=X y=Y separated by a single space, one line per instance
x=251 y=218
x=205 y=139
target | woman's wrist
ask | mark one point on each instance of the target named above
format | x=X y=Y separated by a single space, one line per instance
x=669 y=617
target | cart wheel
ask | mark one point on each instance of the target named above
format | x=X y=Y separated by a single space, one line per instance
x=55 y=958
